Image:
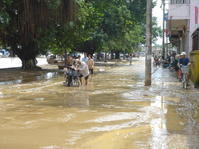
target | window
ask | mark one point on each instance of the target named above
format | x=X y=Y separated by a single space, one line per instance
x=195 y=39
x=180 y=1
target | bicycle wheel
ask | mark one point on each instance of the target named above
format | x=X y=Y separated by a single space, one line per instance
x=69 y=81
x=184 y=81
x=183 y=84
x=65 y=82
x=76 y=82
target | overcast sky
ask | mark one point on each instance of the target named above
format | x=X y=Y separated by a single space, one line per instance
x=157 y=12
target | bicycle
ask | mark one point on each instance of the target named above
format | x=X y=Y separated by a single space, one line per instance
x=185 y=71
x=72 y=78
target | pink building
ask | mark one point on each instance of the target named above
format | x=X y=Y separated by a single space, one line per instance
x=183 y=20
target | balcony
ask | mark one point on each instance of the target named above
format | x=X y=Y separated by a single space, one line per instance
x=180 y=2
x=179 y=11
x=178 y=17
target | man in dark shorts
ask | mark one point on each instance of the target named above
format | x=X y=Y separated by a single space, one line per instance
x=90 y=64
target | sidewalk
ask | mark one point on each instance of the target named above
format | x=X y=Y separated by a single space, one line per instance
x=165 y=77
x=16 y=62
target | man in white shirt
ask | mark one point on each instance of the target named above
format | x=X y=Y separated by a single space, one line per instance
x=85 y=58
x=84 y=71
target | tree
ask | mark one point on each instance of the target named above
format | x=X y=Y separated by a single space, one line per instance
x=78 y=35
x=156 y=30
x=113 y=24
x=24 y=22
x=101 y=25
x=31 y=27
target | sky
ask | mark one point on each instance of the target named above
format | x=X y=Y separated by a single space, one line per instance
x=157 y=12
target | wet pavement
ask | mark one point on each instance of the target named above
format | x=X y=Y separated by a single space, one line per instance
x=115 y=111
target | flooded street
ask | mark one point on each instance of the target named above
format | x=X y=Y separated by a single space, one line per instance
x=115 y=111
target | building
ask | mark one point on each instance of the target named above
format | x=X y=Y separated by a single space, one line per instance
x=183 y=31
x=183 y=21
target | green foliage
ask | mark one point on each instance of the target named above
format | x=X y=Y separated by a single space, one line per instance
x=156 y=31
x=4 y=16
x=53 y=4
x=112 y=25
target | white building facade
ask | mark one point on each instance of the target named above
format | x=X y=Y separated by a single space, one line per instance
x=183 y=20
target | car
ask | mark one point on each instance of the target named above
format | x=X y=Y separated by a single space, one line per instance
x=51 y=59
x=142 y=54
x=4 y=52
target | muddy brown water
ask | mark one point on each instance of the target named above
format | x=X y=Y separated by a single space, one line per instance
x=115 y=111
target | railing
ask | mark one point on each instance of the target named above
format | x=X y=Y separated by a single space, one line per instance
x=180 y=2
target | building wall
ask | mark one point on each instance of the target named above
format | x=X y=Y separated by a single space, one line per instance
x=191 y=13
x=193 y=23
x=179 y=11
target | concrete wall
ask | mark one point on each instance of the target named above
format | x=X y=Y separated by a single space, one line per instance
x=179 y=11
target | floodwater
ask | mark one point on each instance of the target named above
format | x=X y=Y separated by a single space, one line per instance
x=115 y=111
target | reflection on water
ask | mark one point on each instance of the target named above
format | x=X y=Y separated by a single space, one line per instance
x=158 y=125
x=116 y=117
x=115 y=111
x=80 y=99
x=11 y=82
x=47 y=76
x=26 y=77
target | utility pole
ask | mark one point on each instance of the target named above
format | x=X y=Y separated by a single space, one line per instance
x=163 y=33
x=65 y=55
x=148 y=43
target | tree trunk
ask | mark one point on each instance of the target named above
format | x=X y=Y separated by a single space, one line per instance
x=27 y=54
x=29 y=64
x=98 y=56
x=105 y=58
x=112 y=55
x=124 y=55
x=117 y=55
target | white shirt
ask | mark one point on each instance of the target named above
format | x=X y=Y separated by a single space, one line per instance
x=85 y=59
x=83 y=68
